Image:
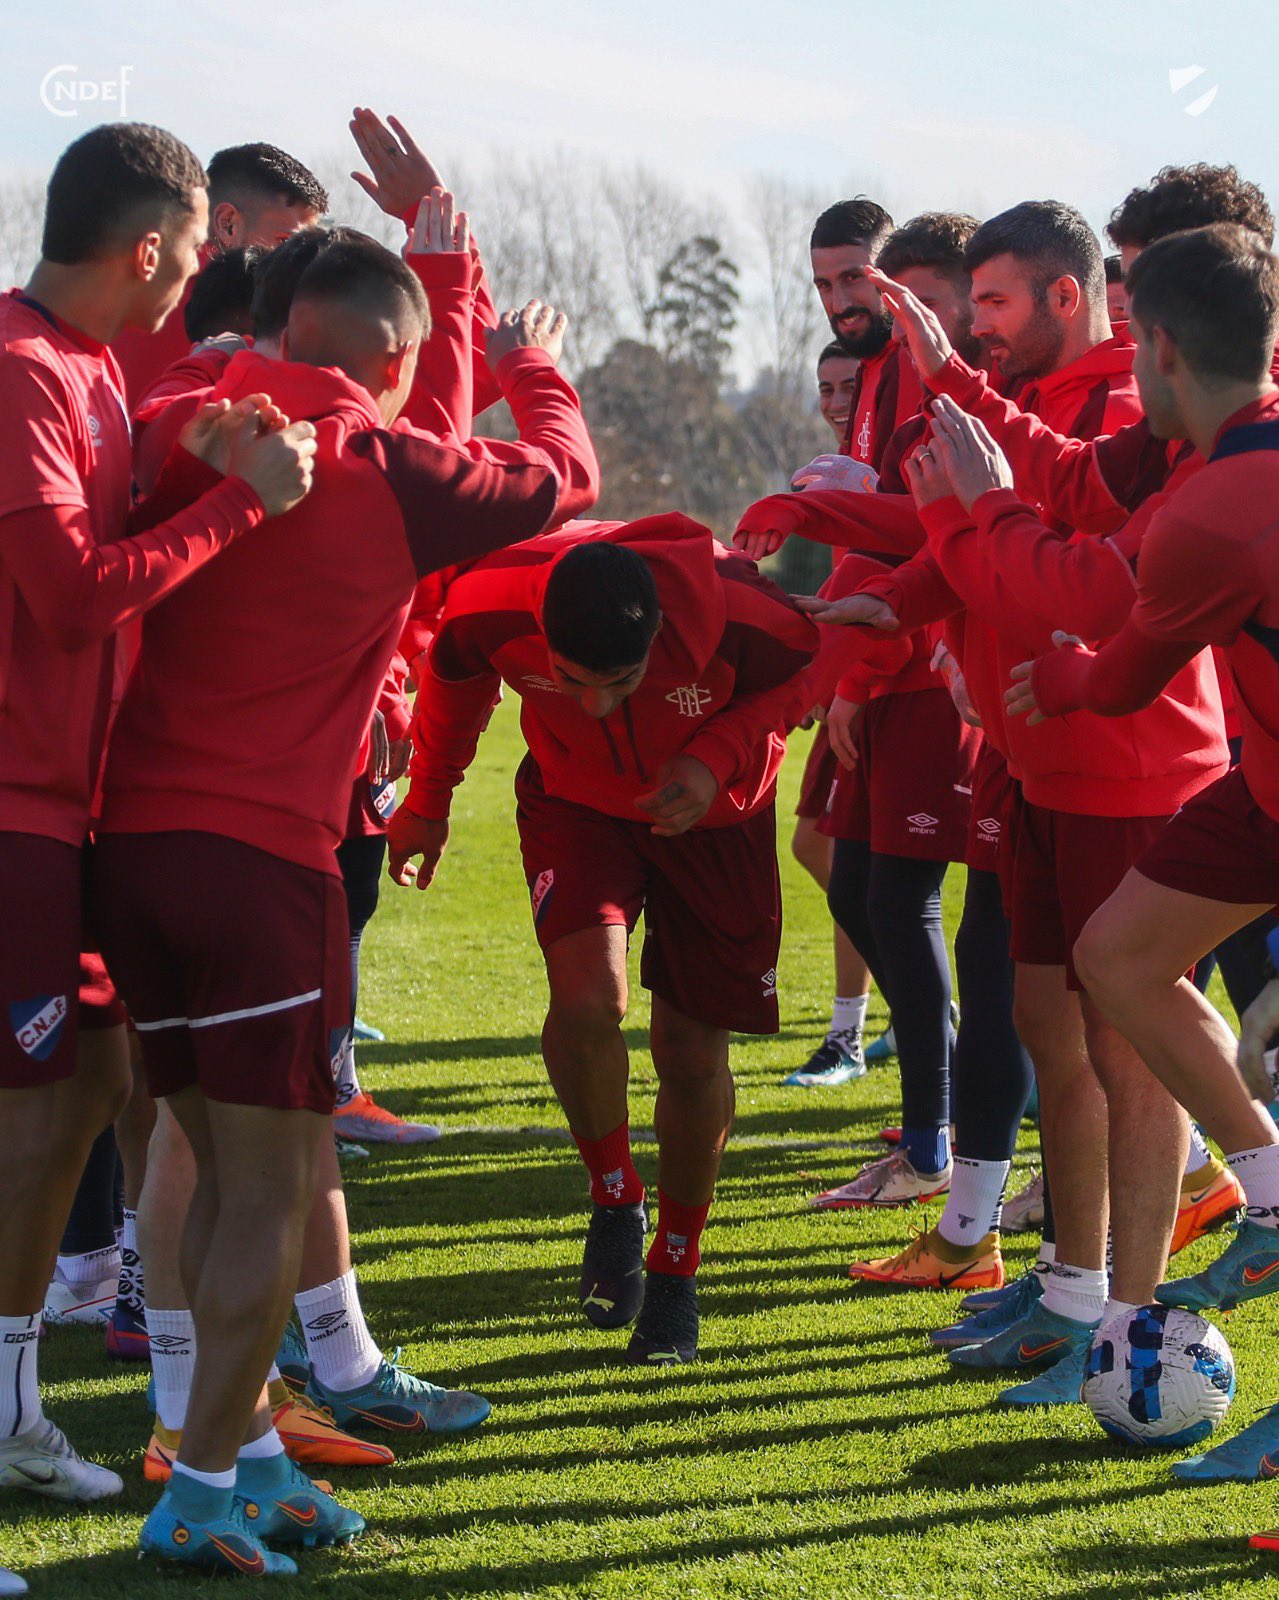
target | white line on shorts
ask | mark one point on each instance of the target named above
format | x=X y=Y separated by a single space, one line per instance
x=231 y=1016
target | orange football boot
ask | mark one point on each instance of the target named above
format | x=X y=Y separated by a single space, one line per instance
x=1209 y=1199
x=931 y=1262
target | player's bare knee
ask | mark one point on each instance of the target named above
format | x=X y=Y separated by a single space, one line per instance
x=587 y=1007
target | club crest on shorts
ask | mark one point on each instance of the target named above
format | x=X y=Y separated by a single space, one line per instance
x=37 y=1024
x=690 y=699
x=540 y=891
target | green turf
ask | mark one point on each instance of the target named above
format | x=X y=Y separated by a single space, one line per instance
x=819 y=1448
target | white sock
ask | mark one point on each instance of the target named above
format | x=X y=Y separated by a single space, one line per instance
x=338 y=1341
x=1075 y=1292
x=90 y=1269
x=976 y=1189
x=132 y=1289
x=274 y=1375
x=345 y=1079
x=1258 y=1171
x=1199 y=1155
x=848 y=1016
x=263 y=1448
x=19 y=1382
x=172 y=1335
x=1115 y=1308
x=215 y=1480
x=1047 y=1255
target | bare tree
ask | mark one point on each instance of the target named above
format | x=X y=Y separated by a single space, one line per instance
x=788 y=317
x=21 y=226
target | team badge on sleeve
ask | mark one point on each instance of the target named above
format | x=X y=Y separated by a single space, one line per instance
x=37 y=1024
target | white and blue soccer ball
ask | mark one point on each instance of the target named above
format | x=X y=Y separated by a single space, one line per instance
x=1159 y=1376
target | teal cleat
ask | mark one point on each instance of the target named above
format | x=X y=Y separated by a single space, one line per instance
x=1248 y=1457
x=400 y=1403
x=197 y=1526
x=996 y=1318
x=835 y=1061
x=282 y=1504
x=882 y=1049
x=1039 y=1339
x=1245 y=1270
x=292 y=1360
x=1059 y=1386
x=985 y=1299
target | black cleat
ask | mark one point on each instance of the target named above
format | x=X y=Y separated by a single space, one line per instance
x=666 y=1333
x=612 y=1265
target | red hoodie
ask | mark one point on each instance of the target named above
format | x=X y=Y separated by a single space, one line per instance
x=886 y=392
x=253 y=690
x=719 y=679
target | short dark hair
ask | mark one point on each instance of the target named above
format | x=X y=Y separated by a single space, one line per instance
x=1215 y=291
x=834 y=351
x=115 y=183
x=1114 y=266
x=856 y=221
x=365 y=276
x=1177 y=198
x=934 y=239
x=600 y=610
x=265 y=172
x=222 y=294
x=1049 y=236
x=280 y=270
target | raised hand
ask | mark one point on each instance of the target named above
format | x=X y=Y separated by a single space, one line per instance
x=279 y=465
x=437 y=229
x=400 y=175
x=535 y=326
x=926 y=476
x=973 y=461
x=926 y=338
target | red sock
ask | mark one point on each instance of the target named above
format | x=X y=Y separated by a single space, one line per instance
x=614 y=1180
x=675 y=1243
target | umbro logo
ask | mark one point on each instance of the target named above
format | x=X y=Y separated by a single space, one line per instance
x=690 y=699
x=327 y=1319
x=989 y=826
x=170 y=1342
x=921 y=822
x=769 y=980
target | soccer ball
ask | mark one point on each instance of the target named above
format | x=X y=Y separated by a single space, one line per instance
x=1159 y=1376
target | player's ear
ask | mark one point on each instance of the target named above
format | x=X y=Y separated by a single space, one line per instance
x=226 y=224
x=1067 y=296
x=146 y=256
x=1165 y=350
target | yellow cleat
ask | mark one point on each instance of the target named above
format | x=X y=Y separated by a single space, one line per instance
x=931 y=1262
x=312 y=1438
x=162 y=1452
x=1209 y=1199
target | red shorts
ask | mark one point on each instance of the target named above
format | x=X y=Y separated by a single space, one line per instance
x=234 y=963
x=819 y=773
x=991 y=820
x=911 y=792
x=711 y=900
x=1220 y=846
x=39 y=960
x=1064 y=867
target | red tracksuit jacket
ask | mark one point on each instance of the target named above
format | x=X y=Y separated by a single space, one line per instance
x=720 y=675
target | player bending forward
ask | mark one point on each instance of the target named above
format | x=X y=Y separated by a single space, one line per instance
x=655 y=666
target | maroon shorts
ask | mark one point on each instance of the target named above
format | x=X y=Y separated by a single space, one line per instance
x=711 y=900
x=991 y=820
x=234 y=963
x=819 y=773
x=1064 y=867
x=1220 y=846
x=911 y=792
x=39 y=960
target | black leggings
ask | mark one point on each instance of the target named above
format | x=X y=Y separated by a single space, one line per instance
x=992 y=1074
x=890 y=907
x=360 y=863
x=96 y=1208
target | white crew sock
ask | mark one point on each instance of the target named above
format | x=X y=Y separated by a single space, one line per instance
x=262 y=1448
x=215 y=1480
x=1199 y=1154
x=172 y=1336
x=1047 y=1255
x=338 y=1341
x=19 y=1383
x=1075 y=1292
x=344 y=1077
x=848 y=1016
x=1115 y=1308
x=973 y=1204
x=132 y=1288
x=90 y=1269
x=1258 y=1171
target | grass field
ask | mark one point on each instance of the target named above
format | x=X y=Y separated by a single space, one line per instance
x=819 y=1448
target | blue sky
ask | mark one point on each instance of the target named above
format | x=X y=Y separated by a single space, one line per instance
x=934 y=105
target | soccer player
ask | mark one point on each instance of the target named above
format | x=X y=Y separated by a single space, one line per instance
x=217 y=835
x=258 y=195
x=1205 y=315
x=836 y=381
x=1116 y=294
x=125 y=214
x=654 y=667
